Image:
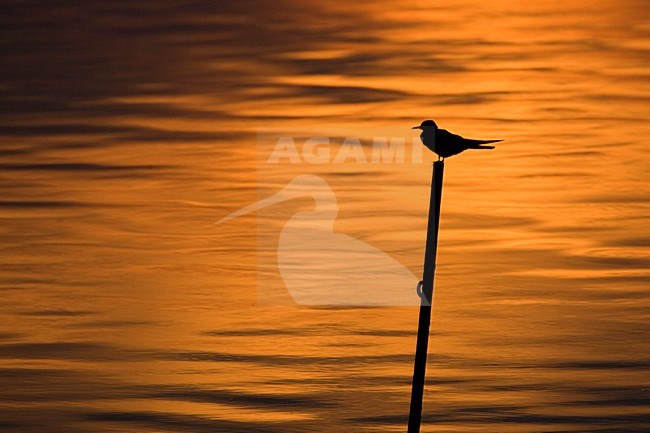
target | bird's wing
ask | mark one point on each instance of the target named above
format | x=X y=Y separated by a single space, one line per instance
x=447 y=138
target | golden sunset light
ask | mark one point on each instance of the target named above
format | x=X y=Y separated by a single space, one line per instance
x=215 y=215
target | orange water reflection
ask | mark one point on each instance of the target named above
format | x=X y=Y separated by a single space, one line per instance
x=125 y=138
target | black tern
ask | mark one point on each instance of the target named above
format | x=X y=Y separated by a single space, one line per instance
x=446 y=144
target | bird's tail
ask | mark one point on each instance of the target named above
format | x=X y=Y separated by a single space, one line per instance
x=478 y=144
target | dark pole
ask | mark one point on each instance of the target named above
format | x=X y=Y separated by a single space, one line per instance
x=420 y=365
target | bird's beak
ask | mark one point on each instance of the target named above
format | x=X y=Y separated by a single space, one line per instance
x=278 y=197
x=304 y=185
x=417 y=127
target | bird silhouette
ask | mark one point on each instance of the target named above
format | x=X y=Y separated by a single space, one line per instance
x=446 y=144
x=320 y=266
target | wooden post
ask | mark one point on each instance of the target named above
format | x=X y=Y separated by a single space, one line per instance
x=420 y=364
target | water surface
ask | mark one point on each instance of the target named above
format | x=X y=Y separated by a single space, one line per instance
x=128 y=129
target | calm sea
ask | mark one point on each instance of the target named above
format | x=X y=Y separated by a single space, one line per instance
x=129 y=128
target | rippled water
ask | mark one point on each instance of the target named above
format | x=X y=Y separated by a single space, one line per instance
x=128 y=129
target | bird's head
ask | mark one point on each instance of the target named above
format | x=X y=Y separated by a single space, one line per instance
x=426 y=124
